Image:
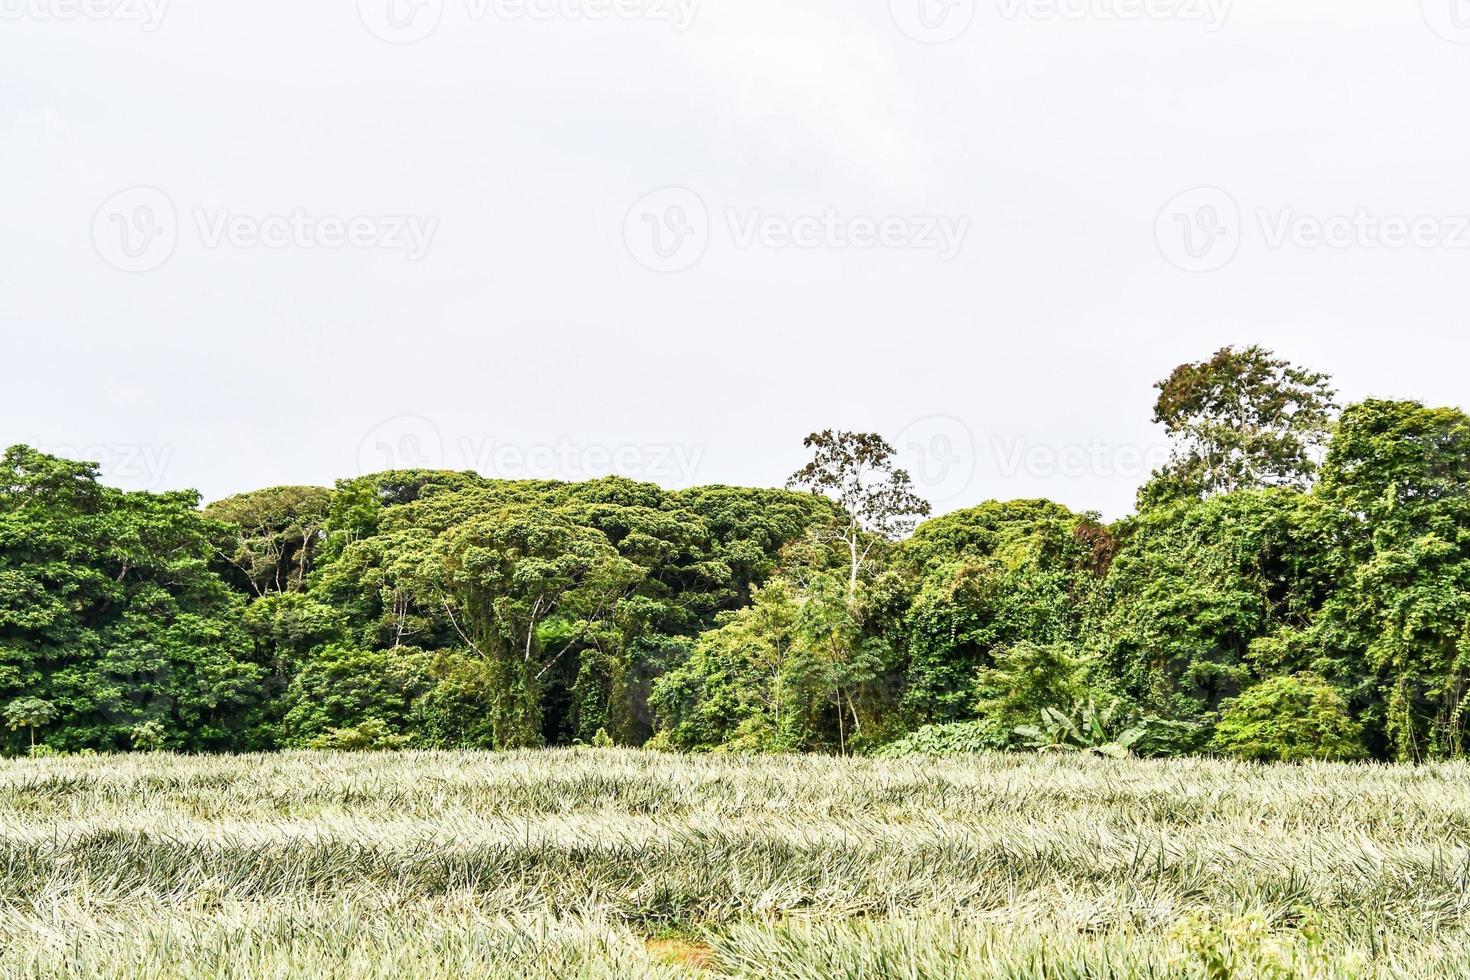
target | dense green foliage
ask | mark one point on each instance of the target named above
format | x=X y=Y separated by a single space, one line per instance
x=1260 y=603
x=1242 y=419
x=1287 y=719
x=111 y=613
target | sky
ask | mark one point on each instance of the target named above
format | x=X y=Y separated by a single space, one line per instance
x=276 y=242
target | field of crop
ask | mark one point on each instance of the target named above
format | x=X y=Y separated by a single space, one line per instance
x=628 y=864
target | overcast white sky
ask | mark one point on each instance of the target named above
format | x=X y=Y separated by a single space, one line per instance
x=248 y=244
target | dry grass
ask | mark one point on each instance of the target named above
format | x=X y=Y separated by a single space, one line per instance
x=630 y=864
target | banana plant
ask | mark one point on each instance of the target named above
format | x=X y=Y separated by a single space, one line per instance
x=1088 y=728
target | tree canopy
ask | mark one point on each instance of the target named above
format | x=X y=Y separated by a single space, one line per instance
x=1244 y=418
x=1294 y=585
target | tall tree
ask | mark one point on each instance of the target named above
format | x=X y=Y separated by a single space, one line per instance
x=857 y=469
x=1243 y=419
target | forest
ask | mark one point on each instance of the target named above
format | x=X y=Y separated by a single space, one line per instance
x=1294 y=584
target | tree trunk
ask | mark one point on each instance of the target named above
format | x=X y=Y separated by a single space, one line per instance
x=841 y=726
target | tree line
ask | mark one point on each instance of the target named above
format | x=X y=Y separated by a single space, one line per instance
x=1294 y=584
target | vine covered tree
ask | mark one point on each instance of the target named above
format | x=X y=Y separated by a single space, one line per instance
x=523 y=589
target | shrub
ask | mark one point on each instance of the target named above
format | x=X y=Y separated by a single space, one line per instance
x=373 y=735
x=1289 y=719
x=957 y=738
x=1109 y=730
x=148 y=736
x=1027 y=679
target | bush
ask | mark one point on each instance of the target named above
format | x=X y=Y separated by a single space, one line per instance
x=1289 y=719
x=1108 y=727
x=148 y=736
x=1109 y=730
x=372 y=735
x=957 y=738
x=1027 y=679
